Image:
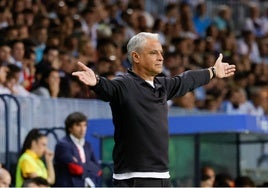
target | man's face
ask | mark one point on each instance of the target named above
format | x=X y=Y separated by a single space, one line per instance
x=18 y=51
x=150 y=58
x=52 y=55
x=3 y=74
x=5 y=53
x=79 y=130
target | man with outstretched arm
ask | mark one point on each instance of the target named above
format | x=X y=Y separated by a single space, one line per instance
x=138 y=102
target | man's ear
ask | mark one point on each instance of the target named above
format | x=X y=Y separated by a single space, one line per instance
x=135 y=57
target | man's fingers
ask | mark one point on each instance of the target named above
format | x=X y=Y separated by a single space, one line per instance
x=220 y=57
x=232 y=66
x=76 y=73
x=82 y=66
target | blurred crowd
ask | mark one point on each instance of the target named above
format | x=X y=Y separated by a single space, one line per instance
x=41 y=41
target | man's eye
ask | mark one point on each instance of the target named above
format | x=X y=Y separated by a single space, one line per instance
x=153 y=52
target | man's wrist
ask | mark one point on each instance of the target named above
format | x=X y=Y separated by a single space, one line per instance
x=212 y=72
x=97 y=79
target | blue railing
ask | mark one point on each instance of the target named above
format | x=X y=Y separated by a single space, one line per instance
x=7 y=109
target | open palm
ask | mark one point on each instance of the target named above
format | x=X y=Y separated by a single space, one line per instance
x=223 y=69
x=86 y=75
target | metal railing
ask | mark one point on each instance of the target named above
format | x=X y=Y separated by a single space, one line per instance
x=7 y=108
x=18 y=115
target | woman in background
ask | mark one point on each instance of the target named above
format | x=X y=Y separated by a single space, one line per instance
x=30 y=164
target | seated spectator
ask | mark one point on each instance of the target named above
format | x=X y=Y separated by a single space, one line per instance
x=75 y=163
x=201 y=20
x=50 y=60
x=5 y=52
x=236 y=102
x=255 y=22
x=12 y=82
x=30 y=164
x=258 y=101
x=17 y=52
x=36 y=182
x=212 y=102
x=247 y=46
x=223 y=20
x=186 y=102
x=3 y=77
x=5 y=177
x=78 y=90
x=173 y=64
x=49 y=85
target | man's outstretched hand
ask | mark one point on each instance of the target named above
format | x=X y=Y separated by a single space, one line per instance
x=85 y=75
x=223 y=69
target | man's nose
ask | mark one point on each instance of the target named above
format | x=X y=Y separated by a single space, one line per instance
x=160 y=56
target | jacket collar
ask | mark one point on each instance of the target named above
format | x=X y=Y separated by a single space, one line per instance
x=157 y=84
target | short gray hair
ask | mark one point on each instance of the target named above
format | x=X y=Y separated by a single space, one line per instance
x=137 y=41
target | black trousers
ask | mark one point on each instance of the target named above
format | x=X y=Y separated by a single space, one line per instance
x=142 y=182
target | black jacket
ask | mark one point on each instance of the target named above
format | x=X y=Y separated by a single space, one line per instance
x=140 y=117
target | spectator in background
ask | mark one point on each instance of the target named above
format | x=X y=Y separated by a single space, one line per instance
x=30 y=164
x=89 y=24
x=78 y=90
x=197 y=56
x=248 y=46
x=50 y=60
x=228 y=45
x=11 y=33
x=223 y=20
x=213 y=39
x=201 y=20
x=207 y=176
x=187 y=25
x=173 y=64
x=23 y=32
x=28 y=15
x=17 y=52
x=186 y=102
x=3 y=78
x=171 y=13
x=256 y=23
x=29 y=69
x=236 y=103
x=263 y=46
x=75 y=162
x=258 y=100
x=4 y=20
x=40 y=38
x=87 y=53
x=212 y=103
x=49 y=85
x=104 y=66
x=5 y=53
x=159 y=27
x=12 y=82
x=5 y=178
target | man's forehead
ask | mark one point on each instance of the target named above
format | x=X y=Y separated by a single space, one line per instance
x=153 y=48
